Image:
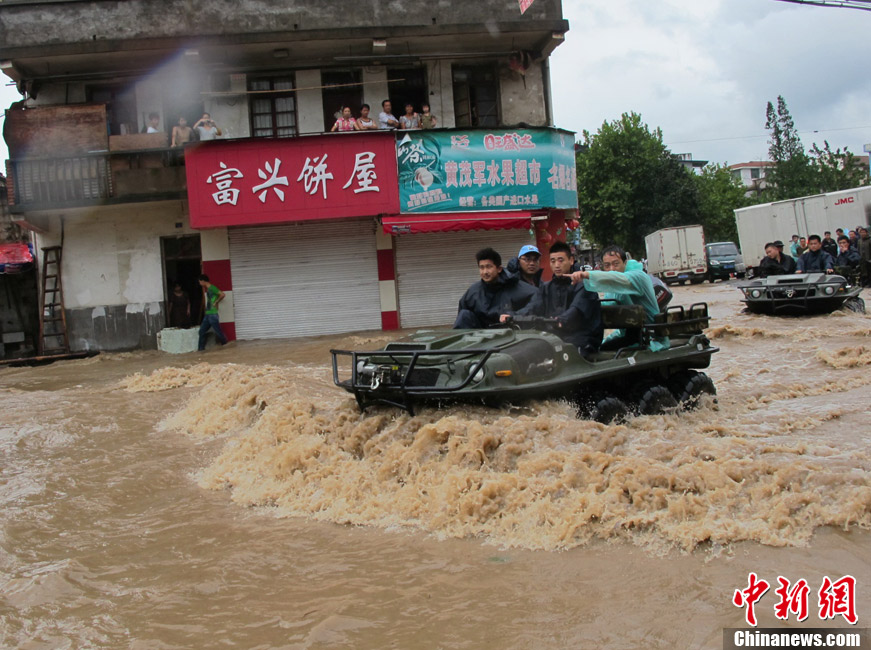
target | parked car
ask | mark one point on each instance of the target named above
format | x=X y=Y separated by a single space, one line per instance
x=724 y=260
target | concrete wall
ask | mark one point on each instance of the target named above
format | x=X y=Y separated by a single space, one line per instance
x=24 y=23
x=309 y=103
x=522 y=96
x=375 y=91
x=441 y=92
x=230 y=113
x=113 y=272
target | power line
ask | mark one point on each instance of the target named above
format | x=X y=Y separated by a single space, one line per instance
x=767 y=135
x=863 y=5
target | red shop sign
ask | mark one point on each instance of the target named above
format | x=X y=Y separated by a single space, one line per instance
x=255 y=181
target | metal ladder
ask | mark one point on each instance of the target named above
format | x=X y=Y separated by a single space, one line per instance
x=53 y=337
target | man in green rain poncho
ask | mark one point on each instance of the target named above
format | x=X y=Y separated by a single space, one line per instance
x=626 y=283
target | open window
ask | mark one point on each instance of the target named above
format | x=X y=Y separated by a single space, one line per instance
x=341 y=88
x=476 y=96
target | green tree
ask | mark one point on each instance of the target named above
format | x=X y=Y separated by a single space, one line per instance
x=792 y=174
x=720 y=194
x=837 y=170
x=629 y=185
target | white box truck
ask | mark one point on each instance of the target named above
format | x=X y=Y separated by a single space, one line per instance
x=677 y=255
x=807 y=215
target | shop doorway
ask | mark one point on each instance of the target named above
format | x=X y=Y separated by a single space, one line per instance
x=182 y=264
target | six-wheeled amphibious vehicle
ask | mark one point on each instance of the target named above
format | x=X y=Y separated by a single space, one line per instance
x=527 y=360
x=801 y=294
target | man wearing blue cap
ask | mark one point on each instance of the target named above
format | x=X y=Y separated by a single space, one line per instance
x=526 y=266
x=529 y=263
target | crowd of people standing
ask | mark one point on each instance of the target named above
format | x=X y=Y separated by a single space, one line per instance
x=386 y=121
x=845 y=253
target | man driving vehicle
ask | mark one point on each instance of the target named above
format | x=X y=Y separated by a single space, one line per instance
x=577 y=311
x=623 y=281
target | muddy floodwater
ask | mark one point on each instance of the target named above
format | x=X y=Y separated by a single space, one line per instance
x=236 y=498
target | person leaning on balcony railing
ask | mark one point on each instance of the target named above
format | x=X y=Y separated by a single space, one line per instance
x=386 y=119
x=364 y=122
x=346 y=122
x=153 y=123
x=181 y=133
x=206 y=128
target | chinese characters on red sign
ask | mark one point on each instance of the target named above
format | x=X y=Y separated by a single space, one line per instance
x=836 y=598
x=266 y=181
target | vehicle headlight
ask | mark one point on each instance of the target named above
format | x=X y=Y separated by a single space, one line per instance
x=755 y=293
x=829 y=290
x=478 y=376
x=715 y=263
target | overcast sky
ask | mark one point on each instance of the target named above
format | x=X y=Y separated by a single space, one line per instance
x=703 y=71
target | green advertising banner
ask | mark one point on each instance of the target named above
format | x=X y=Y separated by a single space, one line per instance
x=474 y=171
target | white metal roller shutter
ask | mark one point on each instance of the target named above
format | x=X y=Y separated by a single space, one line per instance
x=304 y=279
x=435 y=269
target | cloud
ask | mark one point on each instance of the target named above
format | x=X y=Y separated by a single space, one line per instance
x=704 y=71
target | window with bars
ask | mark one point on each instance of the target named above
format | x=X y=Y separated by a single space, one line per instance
x=273 y=112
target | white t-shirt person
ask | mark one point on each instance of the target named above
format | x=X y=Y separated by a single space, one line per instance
x=206 y=128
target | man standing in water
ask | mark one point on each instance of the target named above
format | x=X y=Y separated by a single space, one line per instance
x=626 y=283
x=212 y=296
x=497 y=293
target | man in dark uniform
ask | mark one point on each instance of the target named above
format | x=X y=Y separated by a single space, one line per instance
x=775 y=261
x=495 y=294
x=815 y=260
x=829 y=244
x=848 y=259
x=576 y=309
x=527 y=265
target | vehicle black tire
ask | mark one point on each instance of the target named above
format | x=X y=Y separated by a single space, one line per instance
x=688 y=386
x=609 y=409
x=652 y=399
x=697 y=280
x=855 y=304
x=740 y=276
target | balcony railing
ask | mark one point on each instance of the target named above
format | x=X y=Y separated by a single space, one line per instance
x=61 y=180
x=94 y=178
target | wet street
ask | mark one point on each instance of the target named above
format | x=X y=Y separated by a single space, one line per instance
x=236 y=498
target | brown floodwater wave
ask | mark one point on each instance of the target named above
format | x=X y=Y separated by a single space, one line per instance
x=188 y=501
x=533 y=477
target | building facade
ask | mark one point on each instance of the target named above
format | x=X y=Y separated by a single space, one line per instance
x=135 y=214
x=751 y=175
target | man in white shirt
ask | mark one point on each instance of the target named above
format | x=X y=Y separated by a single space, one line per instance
x=386 y=120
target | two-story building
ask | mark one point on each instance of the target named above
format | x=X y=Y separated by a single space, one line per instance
x=327 y=232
